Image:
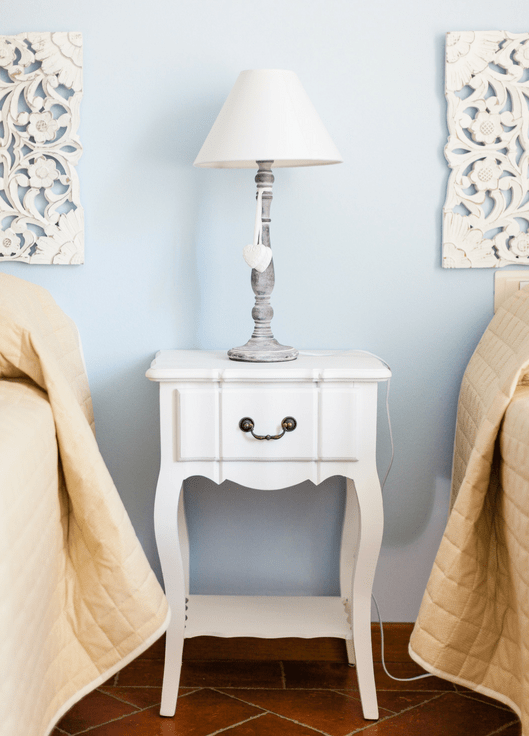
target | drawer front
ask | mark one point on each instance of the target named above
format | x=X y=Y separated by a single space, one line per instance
x=333 y=422
x=267 y=407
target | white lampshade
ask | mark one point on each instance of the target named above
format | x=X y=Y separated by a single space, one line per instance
x=267 y=117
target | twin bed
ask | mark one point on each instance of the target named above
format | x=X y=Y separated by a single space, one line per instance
x=473 y=625
x=78 y=599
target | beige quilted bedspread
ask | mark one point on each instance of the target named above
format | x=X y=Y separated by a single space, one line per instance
x=78 y=599
x=473 y=625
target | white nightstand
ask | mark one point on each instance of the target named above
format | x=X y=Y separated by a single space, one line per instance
x=206 y=404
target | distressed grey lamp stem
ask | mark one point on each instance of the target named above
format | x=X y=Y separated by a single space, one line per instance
x=262 y=347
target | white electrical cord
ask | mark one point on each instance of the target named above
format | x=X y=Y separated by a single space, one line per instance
x=390 y=436
x=366 y=352
x=399 y=679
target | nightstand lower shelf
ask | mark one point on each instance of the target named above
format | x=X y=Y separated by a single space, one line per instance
x=268 y=617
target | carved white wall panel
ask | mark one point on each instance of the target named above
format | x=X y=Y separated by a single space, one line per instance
x=486 y=212
x=41 y=218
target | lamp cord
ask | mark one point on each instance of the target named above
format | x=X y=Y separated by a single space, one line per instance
x=398 y=679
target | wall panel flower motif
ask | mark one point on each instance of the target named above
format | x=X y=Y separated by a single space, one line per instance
x=41 y=218
x=486 y=212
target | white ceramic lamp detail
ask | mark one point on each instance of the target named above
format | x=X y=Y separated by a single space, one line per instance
x=267 y=120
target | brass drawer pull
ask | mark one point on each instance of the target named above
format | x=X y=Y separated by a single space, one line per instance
x=289 y=424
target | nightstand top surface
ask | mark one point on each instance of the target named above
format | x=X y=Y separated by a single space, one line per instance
x=311 y=365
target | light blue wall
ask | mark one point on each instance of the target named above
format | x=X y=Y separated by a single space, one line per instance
x=357 y=253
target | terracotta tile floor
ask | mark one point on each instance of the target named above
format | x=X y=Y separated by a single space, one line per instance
x=281 y=688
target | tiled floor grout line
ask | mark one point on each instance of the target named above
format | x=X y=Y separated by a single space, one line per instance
x=143 y=687
x=359 y=700
x=193 y=690
x=395 y=715
x=114 y=720
x=120 y=700
x=311 y=689
x=234 y=725
x=504 y=727
x=278 y=689
x=495 y=703
x=437 y=694
x=269 y=712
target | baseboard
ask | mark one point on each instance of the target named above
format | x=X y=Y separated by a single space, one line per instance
x=396 y=638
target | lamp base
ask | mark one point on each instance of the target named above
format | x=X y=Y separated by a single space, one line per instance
x=258 y=350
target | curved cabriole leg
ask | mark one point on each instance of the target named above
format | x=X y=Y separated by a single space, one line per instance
x=168 y=493
x=370 y=526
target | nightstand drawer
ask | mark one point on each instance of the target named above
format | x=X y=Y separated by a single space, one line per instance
x=327 y=422
x=267 y=407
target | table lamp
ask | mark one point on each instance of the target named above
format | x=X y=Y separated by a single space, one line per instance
x=267 y=120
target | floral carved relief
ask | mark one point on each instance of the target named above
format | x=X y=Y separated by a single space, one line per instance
x=41 y=218
x=486 y=212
